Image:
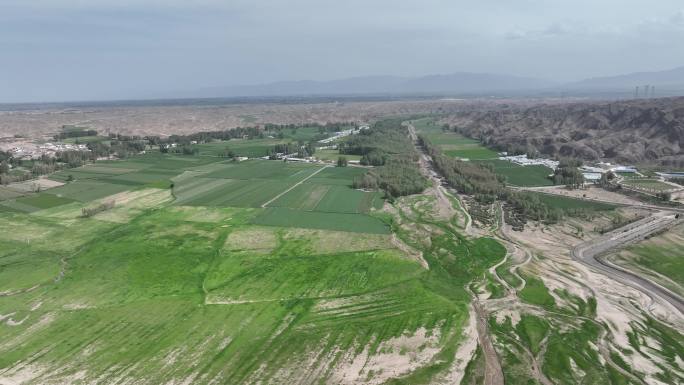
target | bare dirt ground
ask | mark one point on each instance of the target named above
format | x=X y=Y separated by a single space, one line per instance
x=444 y=210
x=619 y=307
x=590 y=193
x=545 y=252
x=164 y=120
x=38 y=184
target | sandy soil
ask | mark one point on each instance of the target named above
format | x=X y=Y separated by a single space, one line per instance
x=397 y=356
x=619 y=306
x=591 y=193
x=464 y=353
x=164 y=120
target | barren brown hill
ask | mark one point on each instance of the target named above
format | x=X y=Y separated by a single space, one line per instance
x=635 y=131
x=173 y=118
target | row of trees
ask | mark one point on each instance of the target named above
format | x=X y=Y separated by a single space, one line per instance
x=118 y=145
x=398 y=177
x=387 y=146
x=207 y=136
x=276 y=130
x=33 y=168
x=88 y=212
x=181 y=150
x=568 y=173
x=299 y=149
x=385 y=138
x=468 y=178
x=74 y=132
x=322 y=128
x=480 y=181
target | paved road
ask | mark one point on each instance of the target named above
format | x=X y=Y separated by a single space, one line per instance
x=589 y=254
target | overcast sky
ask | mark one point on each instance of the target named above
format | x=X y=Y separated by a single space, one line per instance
x=54 y=50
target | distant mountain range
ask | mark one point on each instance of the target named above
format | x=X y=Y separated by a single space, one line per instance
x=456 y=83
x=669 y=82
x=665 y=81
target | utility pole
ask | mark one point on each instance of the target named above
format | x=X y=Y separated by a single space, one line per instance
x=636 y=93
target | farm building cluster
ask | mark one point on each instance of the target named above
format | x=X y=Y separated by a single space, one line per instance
x=590 y=173
x=342 y=134
x=47 y=149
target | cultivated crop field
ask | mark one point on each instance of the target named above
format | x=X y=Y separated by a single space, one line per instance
x=647 y=184
x=523 y=176
x=195 y=269
x=452 y=143
x=193 y=280
x=456 y=145
x=241 y=147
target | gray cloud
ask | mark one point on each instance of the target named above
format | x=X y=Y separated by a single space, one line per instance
x=78 y=49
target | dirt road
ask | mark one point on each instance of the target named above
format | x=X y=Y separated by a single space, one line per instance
x=293 y=186
x=493 y=373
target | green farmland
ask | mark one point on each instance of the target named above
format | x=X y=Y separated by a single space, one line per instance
x=452 y=143
x=652 y=185
x=256 y=148
x=188 y=267
x=523 y=176
x=456 y=145
x=252 y=148
x=566 y=203
x=194 y=269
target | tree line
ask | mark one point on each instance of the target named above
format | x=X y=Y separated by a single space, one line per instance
x=44 y=165
x=299 y=149
x=398 y=174
x=74 y=132
x=375 y=145
x=480 y=181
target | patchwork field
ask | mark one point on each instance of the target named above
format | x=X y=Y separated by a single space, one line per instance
x=252 y=148
x=523 y=176
x=452 y=143
x=165 y=269
x=190 y=288
x=456 y=145
x=256 y=148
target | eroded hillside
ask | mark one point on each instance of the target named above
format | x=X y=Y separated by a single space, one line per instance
x=637 y=131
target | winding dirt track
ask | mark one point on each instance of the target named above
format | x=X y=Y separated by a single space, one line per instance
x=493 y=373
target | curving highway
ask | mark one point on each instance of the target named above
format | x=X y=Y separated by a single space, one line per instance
x=589 y=254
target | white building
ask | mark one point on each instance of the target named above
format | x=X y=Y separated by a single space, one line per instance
x=523 y=160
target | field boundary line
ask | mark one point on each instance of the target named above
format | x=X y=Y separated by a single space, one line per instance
x=293 y=186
